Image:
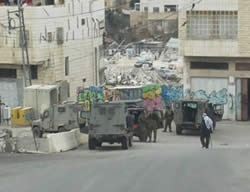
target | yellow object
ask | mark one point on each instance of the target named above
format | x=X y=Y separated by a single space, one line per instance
x=15 y=114
x=87 y=104
x=21 y=116
x=158 y=91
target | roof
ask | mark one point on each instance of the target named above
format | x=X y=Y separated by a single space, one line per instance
x=48 y=87
x=43 y=87
x=126 y=87
x=162 y=16
x=121 y=102
x=193 y=100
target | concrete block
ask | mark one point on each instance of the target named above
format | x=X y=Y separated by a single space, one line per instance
x=81 y=138
x=60 y=142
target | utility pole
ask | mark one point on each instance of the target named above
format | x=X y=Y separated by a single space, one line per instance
x=92 y=44
x=23 y=41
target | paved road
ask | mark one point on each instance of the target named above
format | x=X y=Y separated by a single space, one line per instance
x=174 y=164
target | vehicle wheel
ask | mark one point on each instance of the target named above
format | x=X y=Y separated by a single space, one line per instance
x=61 y=129
x=142 y=138
x=98 y=144
x=178 y=130
x=130 y=141
x=37 y=132
x=92 y=144
x=125 y=143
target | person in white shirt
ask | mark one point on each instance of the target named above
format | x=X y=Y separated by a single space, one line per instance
x=206 y=130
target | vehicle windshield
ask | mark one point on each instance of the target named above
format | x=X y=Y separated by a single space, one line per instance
x=191 y=105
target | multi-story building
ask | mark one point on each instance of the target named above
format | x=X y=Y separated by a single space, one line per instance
x=215 y=44
x=159 y=15
x=158 y=6
x=113 y=4
x=65 y=41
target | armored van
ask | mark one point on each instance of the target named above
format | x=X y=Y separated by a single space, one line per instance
x=58 y=118
x=188 y=114
x=110 y=123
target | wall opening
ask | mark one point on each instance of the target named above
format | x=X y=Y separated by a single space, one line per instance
x=245 y=99
x=8 y=73
x=207 y=65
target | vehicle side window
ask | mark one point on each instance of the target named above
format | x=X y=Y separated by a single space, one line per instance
x=61 y=109
x=46 y=114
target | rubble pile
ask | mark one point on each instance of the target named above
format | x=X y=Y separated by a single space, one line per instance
x=117 y=75
x=6 y=141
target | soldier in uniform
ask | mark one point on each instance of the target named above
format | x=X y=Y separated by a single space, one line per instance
x=169 y=116
x=142 y=124
x=152 y=125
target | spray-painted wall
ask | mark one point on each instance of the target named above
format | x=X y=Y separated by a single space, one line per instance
x=216 y=91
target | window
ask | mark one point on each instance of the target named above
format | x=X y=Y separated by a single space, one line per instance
x=137 y=6
x=49 y=37
x=207 y=65
x=7 y=73
x=66 y=66
x=145 y=9
x=61 y=109
x=212 y=25
x=34 y=72
x=156 y=9
x=242 y=66
x=59 y=35
x=68 y=24
x=169 y=8
x=83 y=21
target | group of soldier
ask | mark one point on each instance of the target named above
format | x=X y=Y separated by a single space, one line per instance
x=150 y=121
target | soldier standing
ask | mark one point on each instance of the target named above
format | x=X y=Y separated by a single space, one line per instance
x=169 y=116
x=152 y=124
x=142 y=124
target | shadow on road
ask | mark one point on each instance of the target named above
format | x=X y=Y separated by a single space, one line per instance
x=191 y=133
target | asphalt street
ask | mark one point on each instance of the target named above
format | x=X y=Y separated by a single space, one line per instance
x=173 y=164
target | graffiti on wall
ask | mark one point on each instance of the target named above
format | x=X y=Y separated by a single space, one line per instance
x=152 y=98
x=215 y=97
x=92 y=94
x=171 y=93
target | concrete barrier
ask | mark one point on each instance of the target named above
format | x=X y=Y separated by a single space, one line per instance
x=66 y=141
x=82 y=138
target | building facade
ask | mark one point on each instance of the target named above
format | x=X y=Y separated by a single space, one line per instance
x=215 y=44
x=113 y=4
x=64 y=40
x=158 y=6
x=160 y=15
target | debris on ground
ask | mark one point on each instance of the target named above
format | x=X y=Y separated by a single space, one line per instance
x=6 y=141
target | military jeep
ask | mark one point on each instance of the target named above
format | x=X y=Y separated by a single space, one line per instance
x=188 y=114
x=110 y=123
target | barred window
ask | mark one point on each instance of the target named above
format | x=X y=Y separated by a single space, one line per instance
x=212 y=25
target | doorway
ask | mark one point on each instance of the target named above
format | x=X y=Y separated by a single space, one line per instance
x=245 y=99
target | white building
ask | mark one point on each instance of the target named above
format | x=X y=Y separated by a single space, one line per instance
x=65 y=41
x=160 y=15
x=113 y=4
x=158 y=6
x=214 y=41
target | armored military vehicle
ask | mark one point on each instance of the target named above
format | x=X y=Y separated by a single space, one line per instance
x=188 y=114
x=58 y=118
x=110 y=123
